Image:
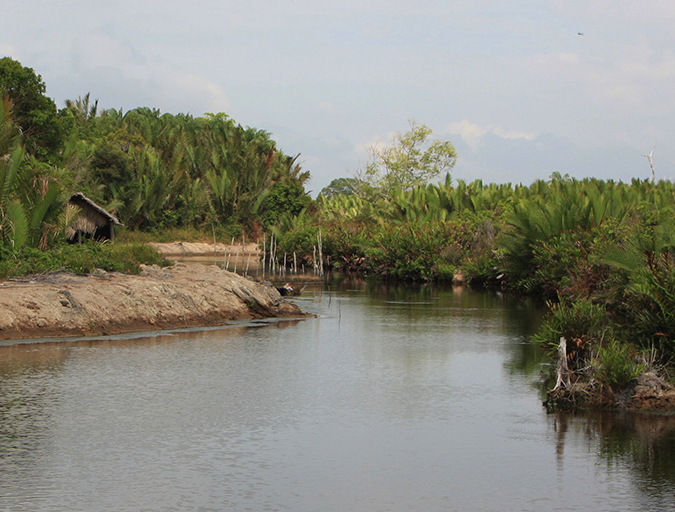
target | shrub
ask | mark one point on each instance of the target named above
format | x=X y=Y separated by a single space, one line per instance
x=445 y=273
x=409 y=251
x=615 y=365
x=580 y=322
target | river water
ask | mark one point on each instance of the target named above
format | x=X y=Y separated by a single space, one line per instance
x=392 y=399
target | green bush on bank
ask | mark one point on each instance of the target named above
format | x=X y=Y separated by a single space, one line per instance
x=410 y=251
x=581 y=322
x=615 y=365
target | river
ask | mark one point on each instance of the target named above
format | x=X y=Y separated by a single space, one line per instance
x=394 y=398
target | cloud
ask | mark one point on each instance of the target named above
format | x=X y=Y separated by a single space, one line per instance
x=326 y=107
x=523 y=161
x=600 y=88
x=473 y=134
x=376 y=31
x=186 y=84
x=102 y=58
x=662 y=67
x=8 y=51
x=633 y=12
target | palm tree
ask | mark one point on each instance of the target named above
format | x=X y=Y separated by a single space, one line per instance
x=83 y=109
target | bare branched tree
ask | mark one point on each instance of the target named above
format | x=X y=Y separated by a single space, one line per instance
x=651 y=162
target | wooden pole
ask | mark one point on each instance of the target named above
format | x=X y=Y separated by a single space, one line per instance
x=236 y=257
x=264 y=253
x=229 y=253
x=215 y=253
x=320 y=244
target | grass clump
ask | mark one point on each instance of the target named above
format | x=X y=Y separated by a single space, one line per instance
x=80 y=258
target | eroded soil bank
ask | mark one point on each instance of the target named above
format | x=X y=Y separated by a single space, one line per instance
x=65 y=304
x=647 y=393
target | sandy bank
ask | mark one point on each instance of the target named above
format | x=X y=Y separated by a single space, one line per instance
x=108 y=303
x=182 y=249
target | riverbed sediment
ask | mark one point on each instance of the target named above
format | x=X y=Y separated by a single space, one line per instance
x=65 y=304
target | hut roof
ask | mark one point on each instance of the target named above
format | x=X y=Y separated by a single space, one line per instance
x=84 y=202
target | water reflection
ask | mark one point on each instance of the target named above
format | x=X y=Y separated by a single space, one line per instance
x=642 y=443
x=393 y=398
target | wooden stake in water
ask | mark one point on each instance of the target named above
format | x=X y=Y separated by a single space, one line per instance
x=314 y=258
x=264 y=253
x=240 y=250
x=275 y=264
x=229 y=253
x=320 y=244
x=215 y=253
x=243 y=249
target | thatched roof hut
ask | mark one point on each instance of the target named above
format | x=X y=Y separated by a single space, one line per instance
x=92 y=221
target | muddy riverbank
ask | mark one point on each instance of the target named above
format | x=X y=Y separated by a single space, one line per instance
x=65 y=304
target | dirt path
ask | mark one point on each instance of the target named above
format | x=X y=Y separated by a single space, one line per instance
x=108 y=303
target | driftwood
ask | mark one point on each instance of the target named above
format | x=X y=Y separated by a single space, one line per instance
x=562 y=371
x=254 y=302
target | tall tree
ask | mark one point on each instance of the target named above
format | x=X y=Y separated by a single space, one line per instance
x=32 y=111
x=411 y=161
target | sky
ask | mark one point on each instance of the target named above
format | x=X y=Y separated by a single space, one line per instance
x=522 y=88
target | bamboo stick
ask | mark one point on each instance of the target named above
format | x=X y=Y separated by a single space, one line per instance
x=215 y=252
x=229 y=253
x=236 y=257
x=320 y=244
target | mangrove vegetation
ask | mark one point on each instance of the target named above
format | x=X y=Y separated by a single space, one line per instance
x=600 y=252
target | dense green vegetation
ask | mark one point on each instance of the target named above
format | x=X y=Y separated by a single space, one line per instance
x=155 y=171
x=601 y=252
